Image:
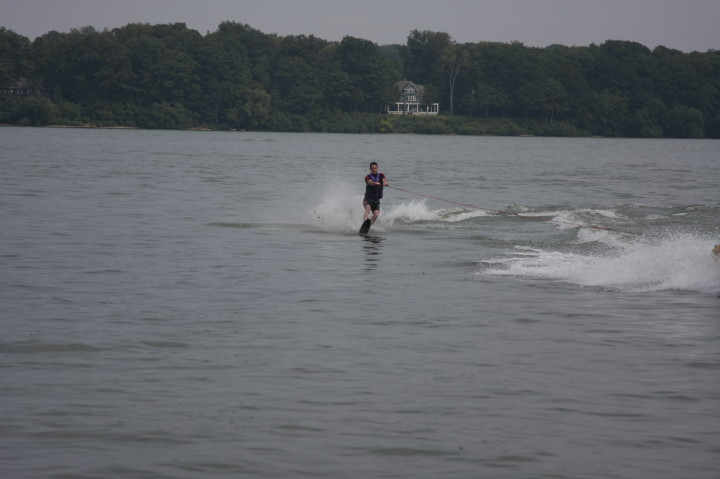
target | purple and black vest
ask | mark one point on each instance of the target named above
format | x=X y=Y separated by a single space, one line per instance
x=372 y=191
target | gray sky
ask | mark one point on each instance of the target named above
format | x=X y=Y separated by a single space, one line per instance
x=686 y=25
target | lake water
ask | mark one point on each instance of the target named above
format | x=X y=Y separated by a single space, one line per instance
x=200 y=305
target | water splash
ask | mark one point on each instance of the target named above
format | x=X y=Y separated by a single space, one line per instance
x=676 y=262
x=338 y=211
x=341 y=212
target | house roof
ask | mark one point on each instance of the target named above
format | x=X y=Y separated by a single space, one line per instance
x=404 y=84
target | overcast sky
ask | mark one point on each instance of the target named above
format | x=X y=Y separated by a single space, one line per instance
x=687 y=25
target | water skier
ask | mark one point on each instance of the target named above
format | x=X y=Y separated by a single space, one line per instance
x=374 y=183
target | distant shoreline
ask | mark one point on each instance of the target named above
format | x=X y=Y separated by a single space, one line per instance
x=516 y=135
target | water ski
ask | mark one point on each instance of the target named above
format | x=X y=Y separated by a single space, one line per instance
x=365 y=227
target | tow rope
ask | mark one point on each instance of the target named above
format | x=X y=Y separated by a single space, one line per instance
x=517 y=215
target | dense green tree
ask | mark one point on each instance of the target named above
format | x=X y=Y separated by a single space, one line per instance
x=297 y=86
x=225 y=76
x=684 y=122
x=371 y=74
x=487 y=101
x=336 y=82
x=296 y=75
x=169 y=76
x=28 y=111
x=648 y=118
x=14 y=57
x=455 y=58
x=424 y=55
x=261 y=48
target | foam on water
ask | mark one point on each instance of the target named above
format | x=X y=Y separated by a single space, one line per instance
x=585 y=216
x=418 y=211
x=337 y=210
x=678 y=262
x=595 y=258
x=341 y=212
x=571 y=218
x=410 y=211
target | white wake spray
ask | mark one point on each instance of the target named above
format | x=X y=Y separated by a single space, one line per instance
x=678 y=262
x=340 y=210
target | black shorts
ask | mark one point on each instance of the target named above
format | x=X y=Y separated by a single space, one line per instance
x=373 y=202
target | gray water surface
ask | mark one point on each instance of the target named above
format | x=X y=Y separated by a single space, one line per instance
x=199 y=304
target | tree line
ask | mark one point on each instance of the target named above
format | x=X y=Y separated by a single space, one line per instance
x=169 y=76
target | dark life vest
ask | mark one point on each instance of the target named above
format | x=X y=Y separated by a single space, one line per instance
x=374 y=191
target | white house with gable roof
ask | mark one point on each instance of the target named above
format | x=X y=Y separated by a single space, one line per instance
x=411 y=101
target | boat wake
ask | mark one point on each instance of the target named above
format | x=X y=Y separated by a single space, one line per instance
x=626 y=248
x=679 y=262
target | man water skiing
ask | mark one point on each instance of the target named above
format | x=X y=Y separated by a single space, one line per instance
x=374 y=183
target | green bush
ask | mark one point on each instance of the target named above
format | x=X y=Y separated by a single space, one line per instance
x=30 y=111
